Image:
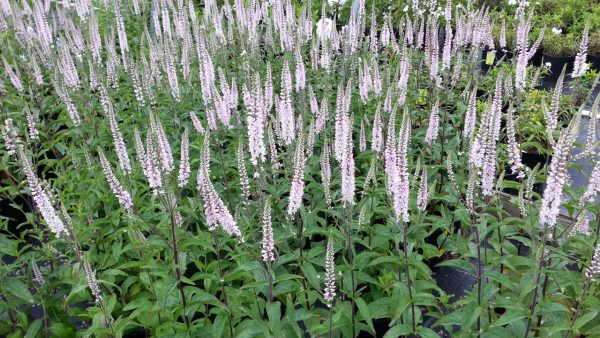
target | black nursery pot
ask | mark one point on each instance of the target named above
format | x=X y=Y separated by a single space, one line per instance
x=500 y=54
x=595 y=61
x=531 y=159
x=536 y=59
x=507 y=55
x=557 y=64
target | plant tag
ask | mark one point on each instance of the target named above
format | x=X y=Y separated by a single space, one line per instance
x=489 y=58
x=422 y=96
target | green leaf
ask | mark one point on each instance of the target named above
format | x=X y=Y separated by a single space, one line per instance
x=387 y=259
x=299 y=315
x=18 y=289
x=257 y=284
x=364 y=311
x=509 y=317
x=582 y=320
x=15 y=334
x=274 y=314
x=110 y=303
x=219 y=325
x=471 y=313
x=398 y=331
x=33 y=328
x=459 y=264
x=62 y=330
x=426 y=332
x=402 y=301
x=285 y=277
x=311 y=275
x=249 y=332
x=141 y=302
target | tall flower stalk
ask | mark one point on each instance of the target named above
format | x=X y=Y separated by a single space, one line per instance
x=329 y=291
x=121 y=193
x=41 y=197
x=268 y=246
x=579 y=67
x=297 y=188
x=551 y=201
x=590 y=275
x=398 y=190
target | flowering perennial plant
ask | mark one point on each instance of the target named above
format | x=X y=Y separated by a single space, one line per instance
x=177 y=168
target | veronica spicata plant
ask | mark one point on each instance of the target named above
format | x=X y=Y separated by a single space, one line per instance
x=289 y=169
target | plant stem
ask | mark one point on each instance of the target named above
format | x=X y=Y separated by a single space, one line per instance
x=586 y=287
x=299 y=229
x=409 y=285
x=225 y=181
x=270 y=279
x=349 y=251
x=370 y=225
x=222 y=282
x=537 y=284
x=330 y=321
x=107 y=319
x=45 y=314
x=568 y=228
x=479 y=279
x=545 y=285
x=11 y=316
x=597 y=236
x=177 y=270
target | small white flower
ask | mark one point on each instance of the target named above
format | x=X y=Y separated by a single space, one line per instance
x=405 y=9
x=336 y=2
x=512 y=2
x=556 y=31
x=324 y=28
x=548 y=64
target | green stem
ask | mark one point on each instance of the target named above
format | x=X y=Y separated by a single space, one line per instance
x=222 y=283
x=404 y=230
x=177 y=269
x=586 y=288
x=330 y=322
x=350 y=253
x=537 y=283
x=479 y=278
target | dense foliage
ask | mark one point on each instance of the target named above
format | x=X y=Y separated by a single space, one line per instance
x=257 y=169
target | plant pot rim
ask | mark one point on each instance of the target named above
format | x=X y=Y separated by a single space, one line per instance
x=533 y=151
x=558 y=56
